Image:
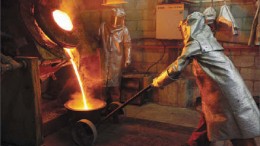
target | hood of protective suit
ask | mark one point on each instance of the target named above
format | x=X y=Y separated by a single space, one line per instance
x=117 y=17
x=194 y=28
x=210 y=14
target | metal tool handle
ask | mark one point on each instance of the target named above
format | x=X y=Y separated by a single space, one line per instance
x=125 y=103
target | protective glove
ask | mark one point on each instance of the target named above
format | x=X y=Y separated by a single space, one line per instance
x=162 y=80
x=155 y=82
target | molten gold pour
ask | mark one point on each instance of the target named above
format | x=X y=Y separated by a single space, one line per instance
x=78 y=77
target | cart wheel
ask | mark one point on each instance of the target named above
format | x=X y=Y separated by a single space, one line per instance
x=84 y=133
x=113 y=106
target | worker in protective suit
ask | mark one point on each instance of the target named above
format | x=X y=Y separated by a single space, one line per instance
x=115 y=53
x=228 y=107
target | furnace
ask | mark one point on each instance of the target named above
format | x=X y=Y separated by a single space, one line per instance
x=55 y=32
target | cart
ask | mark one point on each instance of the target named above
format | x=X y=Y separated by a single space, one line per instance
x=84 y=132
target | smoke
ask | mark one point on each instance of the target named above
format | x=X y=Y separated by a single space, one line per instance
x=69 y=6
x=76 y=102
x=90 y=71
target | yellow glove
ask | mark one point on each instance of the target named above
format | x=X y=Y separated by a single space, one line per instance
x=155 y=83
x=162 y=80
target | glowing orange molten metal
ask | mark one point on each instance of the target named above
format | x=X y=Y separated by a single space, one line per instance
x=87 y=104
x=62 y=19
x=79 y=101
x=78 y=77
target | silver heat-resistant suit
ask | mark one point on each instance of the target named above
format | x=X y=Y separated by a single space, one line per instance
x=116 y=49
x=229 y=109
x=115 y=53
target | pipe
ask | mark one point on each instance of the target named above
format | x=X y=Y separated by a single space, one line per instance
x=8 y=63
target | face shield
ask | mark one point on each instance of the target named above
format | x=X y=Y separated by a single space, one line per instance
x=117 y=17
x=210 y=15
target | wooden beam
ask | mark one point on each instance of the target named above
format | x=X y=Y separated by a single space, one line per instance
x=20 y=105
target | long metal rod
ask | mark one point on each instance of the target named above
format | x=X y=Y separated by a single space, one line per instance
x=125 y=103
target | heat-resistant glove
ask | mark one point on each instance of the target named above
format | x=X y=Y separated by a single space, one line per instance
x=162 y=80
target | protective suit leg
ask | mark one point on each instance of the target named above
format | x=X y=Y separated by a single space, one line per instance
x=111 y=94
x=115 y=93
x=199 y=136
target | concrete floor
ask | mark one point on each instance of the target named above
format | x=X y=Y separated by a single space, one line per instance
x=150 y=111
x=166 y=114
x=172 y=115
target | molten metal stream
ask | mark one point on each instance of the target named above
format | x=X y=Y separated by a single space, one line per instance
x=78 y=77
